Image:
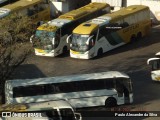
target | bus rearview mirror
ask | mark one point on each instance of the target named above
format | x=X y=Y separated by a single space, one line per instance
x=31 y=39
x=68 y=38
x=53 y=41
x=151 y=60
x=87 y=42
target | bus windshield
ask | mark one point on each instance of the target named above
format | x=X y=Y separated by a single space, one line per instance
x=45 y=35
x=79 y=42
x=44 y=40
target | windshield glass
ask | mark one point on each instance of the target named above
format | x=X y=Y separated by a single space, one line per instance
x=45 y=35
x=78 y=42
x=44 y=39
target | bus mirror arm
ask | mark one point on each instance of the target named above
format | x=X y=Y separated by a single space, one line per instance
x=89 y=39
x=68 y=41
x=151 y=60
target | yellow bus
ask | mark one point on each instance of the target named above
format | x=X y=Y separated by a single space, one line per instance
x=52 y=35
x=39 y=10
x=104 y=33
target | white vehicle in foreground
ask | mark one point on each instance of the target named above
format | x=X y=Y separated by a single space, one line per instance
x=4 y=12
x=84 y=90
x=155 y=63
x=52 y=110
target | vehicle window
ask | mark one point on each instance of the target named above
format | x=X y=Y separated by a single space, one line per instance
x=67 y=114
x=156 y=65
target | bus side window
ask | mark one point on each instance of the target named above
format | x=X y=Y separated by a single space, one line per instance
x=52 y=114
x=42 y=7
x=156 y=65
x=67 y=114
x=35 y=8
x=109 y=84
x=30 y=12
x=125 y=24
x=99 y=36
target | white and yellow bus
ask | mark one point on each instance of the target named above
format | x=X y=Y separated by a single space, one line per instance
x=84 y=90
x=38 y=10
x=104 y=33
x=50 y=38
x=155 y=64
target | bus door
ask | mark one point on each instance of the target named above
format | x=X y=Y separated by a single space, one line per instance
x=127 y=89
x=92 y=41
x=120 y=91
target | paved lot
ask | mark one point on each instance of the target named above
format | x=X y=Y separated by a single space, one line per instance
x=130 y=58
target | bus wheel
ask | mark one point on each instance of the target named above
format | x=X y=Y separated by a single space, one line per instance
x=139 y=35
x=100 y=52
x=64 y=49
x=110 y=102
x=133 y=38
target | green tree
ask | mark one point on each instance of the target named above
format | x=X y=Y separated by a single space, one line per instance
x=15 y=32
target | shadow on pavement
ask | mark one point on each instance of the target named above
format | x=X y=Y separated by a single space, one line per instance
x=27 y=71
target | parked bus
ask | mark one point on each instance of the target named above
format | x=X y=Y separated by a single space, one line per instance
x=85 y=90
x=38 y=10
x=50 y=38
x=155 y=63
x=51 y=110
x=107 y=32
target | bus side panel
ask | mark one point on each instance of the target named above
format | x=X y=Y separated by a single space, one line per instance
x=8 y=93
x=133 y=30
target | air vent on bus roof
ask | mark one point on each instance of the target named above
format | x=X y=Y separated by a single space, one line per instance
x=87 y=25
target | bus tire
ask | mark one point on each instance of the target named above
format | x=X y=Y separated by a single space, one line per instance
x=110 y=102
x=100 y=52
x=139 y=35
x=133 y=38
x=64 y=49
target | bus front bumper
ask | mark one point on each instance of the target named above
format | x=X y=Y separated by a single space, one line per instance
x=40 y=52
x=79 y=55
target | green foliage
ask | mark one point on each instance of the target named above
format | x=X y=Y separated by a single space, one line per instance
x=15 y=32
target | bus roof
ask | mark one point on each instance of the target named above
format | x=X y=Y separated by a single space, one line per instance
x=35 y=106
x=110 y=17
x=20 y=4
x=85 y=28
x=59 y=79
x=74 y=15
x=126 y=11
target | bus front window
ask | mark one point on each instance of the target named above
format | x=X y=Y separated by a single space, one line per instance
x=78 y=42
x=45 y=40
